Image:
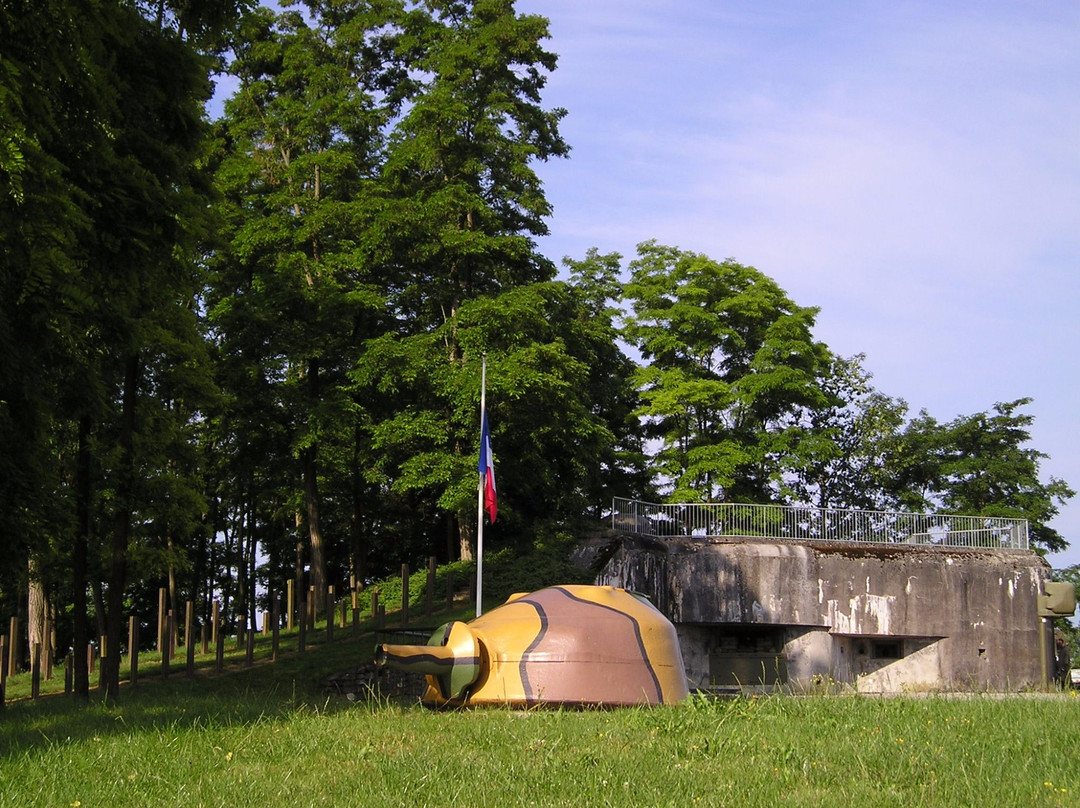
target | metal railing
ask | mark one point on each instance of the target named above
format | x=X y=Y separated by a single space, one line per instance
x=798 y=523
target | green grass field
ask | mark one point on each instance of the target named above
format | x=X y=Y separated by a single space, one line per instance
x=269 y=736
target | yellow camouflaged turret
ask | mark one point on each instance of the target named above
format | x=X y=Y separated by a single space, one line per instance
x=564 y=645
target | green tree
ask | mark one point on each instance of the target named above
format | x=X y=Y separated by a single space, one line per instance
x=148 y=283
x=979 y=465
x=41 y=125
x=463 y=206
x=548 y=432
x=460 y=163
x=295 y=288
x=844 y=444
x=730 y=368
x=107 y=105
x=619 y=467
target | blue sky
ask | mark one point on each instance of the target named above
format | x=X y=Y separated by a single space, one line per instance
x=911 y=168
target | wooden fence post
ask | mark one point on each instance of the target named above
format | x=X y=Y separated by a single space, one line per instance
x=275 y=619
x=404 y=595
x=290 y=603
x=215 y=626
x=13 y=648
x=166 y=645
x=89 y=658
x=35 y=670
x=329 y=614
x=219 y=643
x=69 y=673
x=189 y=638
x=133 y=649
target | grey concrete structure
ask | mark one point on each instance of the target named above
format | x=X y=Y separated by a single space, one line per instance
x=754 y=613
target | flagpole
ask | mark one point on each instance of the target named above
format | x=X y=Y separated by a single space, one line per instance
x=480 y=497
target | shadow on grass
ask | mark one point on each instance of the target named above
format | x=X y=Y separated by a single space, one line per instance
x=243 y=694
x=240 y=694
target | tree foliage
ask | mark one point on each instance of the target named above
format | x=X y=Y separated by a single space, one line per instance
x=730 y=361
x=980 y=465
x=107 y=104
x=843 y=460
x=295 y=289
x=463 y=205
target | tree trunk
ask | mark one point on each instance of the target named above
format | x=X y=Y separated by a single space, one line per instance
x=98 y=595
x=466 y=537
x=35 y=608
x=114 y=616
x=358 y=538
x=298 y=569
x=80 y=627
x=174 y=595
x=253 y=606
x=316 y=551
x=227 y=576
x=310 y=456
x=451 y=536
x=240 y=598
x=199 y=573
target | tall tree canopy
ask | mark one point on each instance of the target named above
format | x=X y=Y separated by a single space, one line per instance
x=460 y=164
x=730 y=364
x=109 y=104
x=979 y=465
x=464 y=206
x=845 y=445
x=297 y=282
x=377 y=178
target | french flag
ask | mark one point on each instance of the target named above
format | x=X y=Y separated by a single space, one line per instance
x=487 y=470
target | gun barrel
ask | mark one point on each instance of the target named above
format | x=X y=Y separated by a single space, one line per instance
x=432 y=660
x=450 y=660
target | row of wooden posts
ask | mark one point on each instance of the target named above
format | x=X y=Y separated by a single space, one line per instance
x=302 y=614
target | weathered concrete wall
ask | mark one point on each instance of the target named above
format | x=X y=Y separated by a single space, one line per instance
x=964 y=619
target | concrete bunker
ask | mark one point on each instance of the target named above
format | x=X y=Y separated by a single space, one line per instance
x=762 y=614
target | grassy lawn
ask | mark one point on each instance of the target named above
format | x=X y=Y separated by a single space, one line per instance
x=268 y=736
